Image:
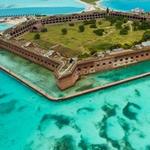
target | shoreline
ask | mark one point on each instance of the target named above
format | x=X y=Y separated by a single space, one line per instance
x=92 y=7
x=13 y=20
x=88 y=7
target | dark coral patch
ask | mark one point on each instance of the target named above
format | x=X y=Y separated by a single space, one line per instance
x=45 y=118
x=115 y=144
x=124 y=124
x=7 y=107
x=99 y=147
x=137 y=92
x=28 y=146
x=21 y=108
x=127 y=111
x=83 y=144
x=3 y=96
x=147 y=147
x=88 y=109
x=60 y=121
x=65 y=143
x=109 y=110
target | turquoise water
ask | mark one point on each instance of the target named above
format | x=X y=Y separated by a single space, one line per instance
x=39 y=11
x=4 y=26
x=45 y=7
x=126 y=5
x=39 y=3
x=109 y=119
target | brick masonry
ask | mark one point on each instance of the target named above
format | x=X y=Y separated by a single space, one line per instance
x=83 y=67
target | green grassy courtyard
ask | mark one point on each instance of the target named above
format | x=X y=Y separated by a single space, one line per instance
x=75 y=43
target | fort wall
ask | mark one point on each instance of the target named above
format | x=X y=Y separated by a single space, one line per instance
x=25 y=27
x=98 y=65
x=46 y=62
x=21 y=29
x=82 y=67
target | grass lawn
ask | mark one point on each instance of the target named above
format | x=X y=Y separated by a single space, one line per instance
x=76 y=43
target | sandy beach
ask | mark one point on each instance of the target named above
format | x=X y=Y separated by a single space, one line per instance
x=17 y=20
x=91 y=7
x=13 y=20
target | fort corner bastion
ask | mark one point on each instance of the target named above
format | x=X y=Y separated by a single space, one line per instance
x=69 y=70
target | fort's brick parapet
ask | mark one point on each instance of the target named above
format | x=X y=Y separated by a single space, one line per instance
x=68 y=78
x=108 y=63
x=46 y=62
x=27 y=26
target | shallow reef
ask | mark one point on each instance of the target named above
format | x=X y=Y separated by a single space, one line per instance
x=3 y=95
x=131 y=110
x=7 y=107
x=88 y=109
x=65 y=143
x=113 y=119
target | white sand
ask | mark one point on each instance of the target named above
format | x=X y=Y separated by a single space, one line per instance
x=92 y=7
x=89 y=7
x=18 y=20
x=14 y=21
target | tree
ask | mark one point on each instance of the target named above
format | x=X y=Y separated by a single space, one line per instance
x=44 y=30
x=136 y=25
x=87 y=22
x=84 y=55
x=64 y=31
x=144 y=25
x=71 y=24
x=81 y=28
x=115 y=46
x=99 y=22
x=127 y=27
x=123 y=31
x=146 y=36
x=114 y=19
x=36 y=36
x=92 y=51
x=127 y=46
x=125 y=20
x=119 y=24
x=93 y=26
x=99 y=32
x=107 y=10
